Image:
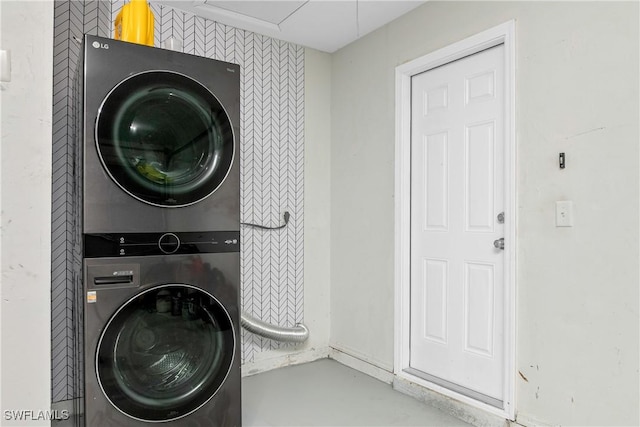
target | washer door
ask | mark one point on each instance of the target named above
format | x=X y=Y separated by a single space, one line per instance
x=165 y=353
x=164 y=138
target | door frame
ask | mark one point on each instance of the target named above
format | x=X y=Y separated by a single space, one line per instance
x=501 y=34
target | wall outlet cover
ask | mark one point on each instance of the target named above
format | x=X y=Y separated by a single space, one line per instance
x=564 y=213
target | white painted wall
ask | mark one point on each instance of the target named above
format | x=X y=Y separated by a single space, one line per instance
x=576 y=92
x=317 y=148
x=317 y=197
x=362 y=185
x=25 y=319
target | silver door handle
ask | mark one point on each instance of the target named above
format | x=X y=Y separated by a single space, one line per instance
x=499 y=244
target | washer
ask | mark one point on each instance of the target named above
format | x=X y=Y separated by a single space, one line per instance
x=161 y=332
x=160 y=140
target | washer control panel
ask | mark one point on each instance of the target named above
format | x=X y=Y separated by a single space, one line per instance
x=169 y=243
x=141 y=244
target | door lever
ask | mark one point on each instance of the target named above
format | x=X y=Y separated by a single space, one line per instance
x=499 y=244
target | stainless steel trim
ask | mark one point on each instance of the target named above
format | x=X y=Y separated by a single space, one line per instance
x=455 y=387
x=299 y=333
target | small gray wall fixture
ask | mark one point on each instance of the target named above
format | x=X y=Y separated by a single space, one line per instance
x=271 y=160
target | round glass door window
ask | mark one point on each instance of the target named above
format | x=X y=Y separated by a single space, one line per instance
x=165 y=353
x=164 y=138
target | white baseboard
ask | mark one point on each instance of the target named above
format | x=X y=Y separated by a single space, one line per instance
x=528 y=421
x=361 y=365
x=268 y=361
x=373 y=361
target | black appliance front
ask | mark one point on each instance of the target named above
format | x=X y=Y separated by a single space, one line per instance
x=160 y=140
x=162 y=340
x=164 y=139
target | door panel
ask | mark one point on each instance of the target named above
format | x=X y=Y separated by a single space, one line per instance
x=164 y=138
x=436 y=175
x=165 y=353
x=479 y=310
x=457 y=192
x=435 y=300
x=479 y=149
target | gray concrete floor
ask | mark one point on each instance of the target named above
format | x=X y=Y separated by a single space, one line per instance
x=327 y=393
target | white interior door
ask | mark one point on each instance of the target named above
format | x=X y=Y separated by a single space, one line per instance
x=457 y=196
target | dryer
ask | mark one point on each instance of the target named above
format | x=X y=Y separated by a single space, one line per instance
x=162 y=334
x=159 y=136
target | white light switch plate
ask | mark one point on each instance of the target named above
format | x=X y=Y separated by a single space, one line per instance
x=5 y=65
x=564 y=213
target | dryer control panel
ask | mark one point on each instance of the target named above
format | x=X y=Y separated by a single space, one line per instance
x=141 y=244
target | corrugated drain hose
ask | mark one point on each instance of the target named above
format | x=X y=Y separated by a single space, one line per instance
x=299 y=333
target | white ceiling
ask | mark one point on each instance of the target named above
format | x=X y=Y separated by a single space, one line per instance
x=326 y=25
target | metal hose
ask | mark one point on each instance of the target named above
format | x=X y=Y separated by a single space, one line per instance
x=298 y=333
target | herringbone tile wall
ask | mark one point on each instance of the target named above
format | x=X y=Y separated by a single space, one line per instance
x=271 y=157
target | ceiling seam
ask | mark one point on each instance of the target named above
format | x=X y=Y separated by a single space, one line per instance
x=292 y=13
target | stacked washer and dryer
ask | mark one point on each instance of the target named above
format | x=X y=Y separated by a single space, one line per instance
x=160 y=215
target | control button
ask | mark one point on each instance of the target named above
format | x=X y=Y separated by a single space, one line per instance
x=169 y=243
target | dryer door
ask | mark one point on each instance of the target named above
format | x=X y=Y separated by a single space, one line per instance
x=165 y=353
x=164 y=138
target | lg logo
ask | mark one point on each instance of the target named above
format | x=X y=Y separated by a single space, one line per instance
x=99 y=45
